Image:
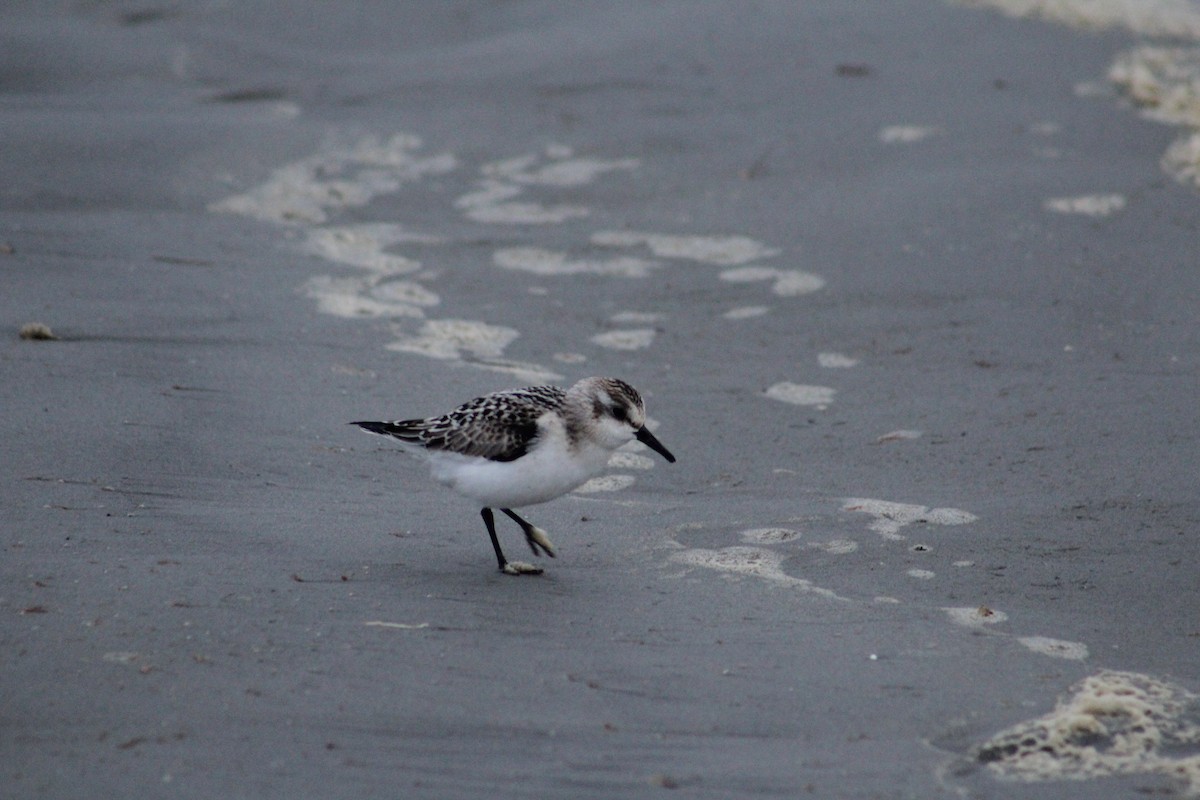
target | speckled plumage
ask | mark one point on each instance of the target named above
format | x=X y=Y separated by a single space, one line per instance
x=498 y=426
x=526 y=446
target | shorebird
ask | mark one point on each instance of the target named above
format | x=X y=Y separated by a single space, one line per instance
x=526 y=446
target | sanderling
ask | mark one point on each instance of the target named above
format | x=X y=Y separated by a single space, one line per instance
x=525 y=446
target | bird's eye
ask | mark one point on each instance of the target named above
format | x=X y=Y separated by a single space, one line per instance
x=619 y=413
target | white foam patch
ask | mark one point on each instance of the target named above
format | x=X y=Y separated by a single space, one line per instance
x=570 y=358
x=787 y=283
x=836 y=361
x=907 y=134
x=341 y=176
x=891 y=517
x=1090 y=205
x=836 y=547
x=452 y=339
x=562 y=170
x=976 y=616
x=607 y=483
x=753 y=561
x=749 y=274
x=769 y=535
x=1163 y=81
x=574 y=171
x=636 y=339
x=362 y=297
x=1169 y=18
x=551 y=262
x=921 y=574
x=363 y=246
x=526 y=214
x=1182 y=159
x=801 y=394
x=397 y=291
x=745 y=312
x=623 y=460
x=719 y=250
x=489 y=193
x=1113 y=723
x=794 y=282
x=1056 y=648
x=1165 y=84
x=494 y=202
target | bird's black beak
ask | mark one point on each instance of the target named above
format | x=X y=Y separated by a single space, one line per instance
x=647 y=438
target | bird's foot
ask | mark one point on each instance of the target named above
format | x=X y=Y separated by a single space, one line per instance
x=520 y=568
x=538 y=538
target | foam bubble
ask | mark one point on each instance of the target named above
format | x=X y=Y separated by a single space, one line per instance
x=494 y=201
x=836 y=361
x=563 y=170
x=753 y=561
x=1056 y=648
x=749 y=274
x=357 y=297
x=551 y=262
x=719 y=250
x=623 y=460
x=769 y=535
x=526 y=213
x=801 y=394
x=636 y=339
x=921 y=574
x=452 y=338
x=787 y=283
x=1164 y=81
x=836 y=547
x=1182 y=159
x=363 y=245
x=1169 y=18
x=607 y=483
x=489 y=193
x=745 y=312
x=890 y=517
x=341 y=176
x=572 y=172
x=976 y=616
x=794 y=282
x=1113 y=723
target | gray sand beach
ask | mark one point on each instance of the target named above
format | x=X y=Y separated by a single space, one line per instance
x=905 y=287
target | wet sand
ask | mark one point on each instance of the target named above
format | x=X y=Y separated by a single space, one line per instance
x=905 y=289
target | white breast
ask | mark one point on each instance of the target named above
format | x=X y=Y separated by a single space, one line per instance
x=551 y=469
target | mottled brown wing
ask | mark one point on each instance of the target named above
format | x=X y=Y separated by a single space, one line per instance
x=500 y=426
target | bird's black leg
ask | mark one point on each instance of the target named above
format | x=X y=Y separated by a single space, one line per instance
x=535 y=536
x=490 y=521
x=506 y=566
